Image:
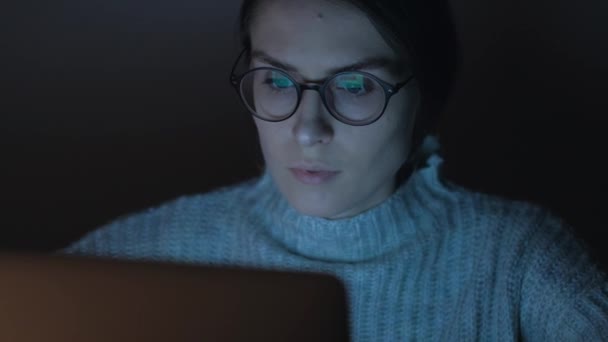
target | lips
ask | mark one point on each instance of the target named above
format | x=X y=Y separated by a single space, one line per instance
x=312 y=176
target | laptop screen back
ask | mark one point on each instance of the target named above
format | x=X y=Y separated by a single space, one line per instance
x=47 y=298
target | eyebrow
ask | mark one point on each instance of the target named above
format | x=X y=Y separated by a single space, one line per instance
x=363 y=64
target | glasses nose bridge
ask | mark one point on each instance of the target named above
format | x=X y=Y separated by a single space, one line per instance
x=319 y=88
x=316 y=87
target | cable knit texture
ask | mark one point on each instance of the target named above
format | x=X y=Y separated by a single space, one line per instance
x=434 y=262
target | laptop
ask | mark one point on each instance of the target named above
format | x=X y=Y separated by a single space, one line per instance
x=61 y=298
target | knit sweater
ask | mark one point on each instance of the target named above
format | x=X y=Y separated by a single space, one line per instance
x=433 y=262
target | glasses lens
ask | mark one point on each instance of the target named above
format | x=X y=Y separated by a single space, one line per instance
x=355 y=97
x=270 y=94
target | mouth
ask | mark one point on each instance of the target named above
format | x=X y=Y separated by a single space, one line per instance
x=312 y=176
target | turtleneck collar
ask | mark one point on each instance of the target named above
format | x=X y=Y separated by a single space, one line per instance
x=400 y=219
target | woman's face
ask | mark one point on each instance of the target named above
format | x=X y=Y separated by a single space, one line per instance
x=315 y=37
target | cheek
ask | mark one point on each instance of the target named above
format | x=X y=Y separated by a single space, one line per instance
x=390 y=140
x=394 y=144
x=269 y=138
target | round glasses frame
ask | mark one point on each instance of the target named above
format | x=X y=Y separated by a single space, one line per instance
x=389 y=91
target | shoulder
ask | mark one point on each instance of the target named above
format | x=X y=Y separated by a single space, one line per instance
x=197 y=209
x=166 y=231
x=514 y=228
x=561 y=290
x=463 y=208
x=520 y=231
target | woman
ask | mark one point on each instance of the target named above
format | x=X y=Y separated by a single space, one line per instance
x=342 y=93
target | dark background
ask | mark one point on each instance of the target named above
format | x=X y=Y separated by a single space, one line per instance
x=110 y=106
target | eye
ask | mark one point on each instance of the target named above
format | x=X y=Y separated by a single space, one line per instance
x=353 y=84
x=278 y=81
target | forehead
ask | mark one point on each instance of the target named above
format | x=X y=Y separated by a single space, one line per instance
x=316 y=35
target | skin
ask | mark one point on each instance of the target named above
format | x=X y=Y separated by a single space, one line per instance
x=317 y=36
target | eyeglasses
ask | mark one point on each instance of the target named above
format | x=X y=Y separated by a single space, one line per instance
x=353 y=97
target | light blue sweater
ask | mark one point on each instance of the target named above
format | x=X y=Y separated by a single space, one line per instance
x=434 y=262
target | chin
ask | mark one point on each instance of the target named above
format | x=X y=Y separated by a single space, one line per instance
x=326 y=213
x=315 y=208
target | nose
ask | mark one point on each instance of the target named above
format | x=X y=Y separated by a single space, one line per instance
x=311 y=121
